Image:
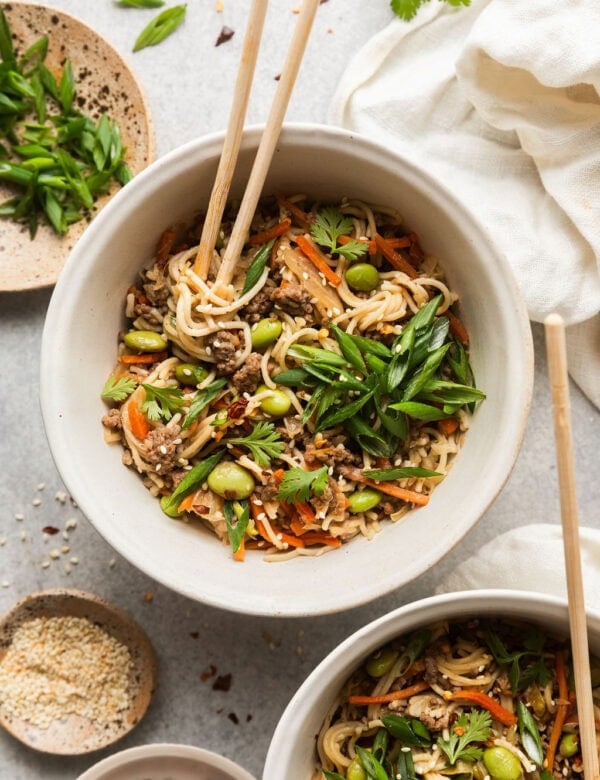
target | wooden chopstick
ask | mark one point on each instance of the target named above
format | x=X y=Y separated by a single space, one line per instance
x=233 y=138
x=559 y=382
x=268 y=141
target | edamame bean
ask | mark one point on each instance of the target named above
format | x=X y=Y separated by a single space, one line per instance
x=231 y=481
x=363 y=277
x=265 y=332
x=145 y=341
x=355 y=771
x=381 y=663
x=190 y=374
x=277 y=404
x=569 y=745
x=502 y=764
x=363 y=500
x=538 y=703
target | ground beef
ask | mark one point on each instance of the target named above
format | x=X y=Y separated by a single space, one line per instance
x=331 y=504
x=433 y=675
x=112 y=420
x=157 y=290
x=150 y=313
x=261 y=305
x=160 y=448
x=224 y=344
x=246 y=379
x=330 y=455
x=294 y=300
x=350 y=472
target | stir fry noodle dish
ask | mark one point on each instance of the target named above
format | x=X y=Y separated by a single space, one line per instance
x=477 y=700
x=322 y=389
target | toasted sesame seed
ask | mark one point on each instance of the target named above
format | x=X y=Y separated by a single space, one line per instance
x=65 y=549
x=19 y=517
x=36 y=502
x=40 y=486
x=74 y=560
x=54 y=554
x=71 y=523
x=60 y=497
x=45 y=564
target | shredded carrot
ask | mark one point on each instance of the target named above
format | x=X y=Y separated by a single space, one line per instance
x=137 y=421
x=187 y=503
x=165 y=246
x=457 y=328
x=293 y=541
x=398 y=492
x=316 y=537
x=278 y=475
x=448 y=426
x=384 y=698
x=561 y=710
x=146 y=357
x=273 y=232
x=297 y=526
x=317 y=258
x=238 y=555
x=371 y=246
x=301 y=216
x=305 y=511
x=395 y=259
x=483 y=700
x=402 y=242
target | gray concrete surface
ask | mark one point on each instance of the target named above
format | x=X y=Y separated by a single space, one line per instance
x=188 y=81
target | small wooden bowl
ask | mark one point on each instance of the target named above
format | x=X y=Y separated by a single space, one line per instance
x=74 y=734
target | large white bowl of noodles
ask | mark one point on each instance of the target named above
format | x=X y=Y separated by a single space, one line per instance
x=79 y=349
x=293 y=754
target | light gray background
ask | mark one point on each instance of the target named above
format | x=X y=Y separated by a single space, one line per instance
x=188 y=82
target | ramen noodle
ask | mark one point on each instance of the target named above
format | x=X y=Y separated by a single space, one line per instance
x=325 y=388
x=481 y=699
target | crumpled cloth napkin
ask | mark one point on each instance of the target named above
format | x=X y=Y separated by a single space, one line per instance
x=530 y=558
x=500 y=101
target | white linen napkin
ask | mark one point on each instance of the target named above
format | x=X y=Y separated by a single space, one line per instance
x=501 y=102
x=529 y=558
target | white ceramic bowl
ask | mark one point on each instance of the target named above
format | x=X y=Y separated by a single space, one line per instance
x=79 y=348
x=292 y=750
x=157 y=762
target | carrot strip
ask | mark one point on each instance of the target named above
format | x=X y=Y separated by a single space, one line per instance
x=384 y=698
x=457 y=328
x=297 y=526
x=146 y=357
x=448 y=426
x=483 y=700
x=393 y=257
x=137 y=421
x=371 y=247
x=317 y=258
x=238 y=555
x=301 y=216
x=315 y=537
x=187 y=503
x=165 y=246
x=402 y=242
x=561 y=710
x=398 y=492
x=305 y=512
x=273 y=232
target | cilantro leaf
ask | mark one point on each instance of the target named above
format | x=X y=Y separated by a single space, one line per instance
x=328 y=226
x=473 y=726
x=162 y=402
x=297 y=484
x=407 y=9
x=524 y=666
x=237 y=517
x=118 y=389
x=264 y=443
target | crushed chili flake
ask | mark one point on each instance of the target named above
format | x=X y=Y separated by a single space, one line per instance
x=236 y=409
x=208 y=673
x=149 y=597
x=233 y=718
x=194 y=634
x=50 y=530
x=222 y=683
x=225 y=35
x=248 y=718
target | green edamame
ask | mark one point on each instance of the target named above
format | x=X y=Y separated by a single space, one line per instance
x=265 y=332
x=363 y=277
x=145 y=341
x=502 y=764
x=190 y=374
x=277 y=404
x=355 y=771
x=569 y=744
x=363 y=500
x=381 y=663
x=231 y=481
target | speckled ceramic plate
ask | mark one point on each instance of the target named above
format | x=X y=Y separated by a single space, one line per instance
x=105 y=85
x=75 y=734
x=166 y=762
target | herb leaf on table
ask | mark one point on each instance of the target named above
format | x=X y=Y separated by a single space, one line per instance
x=407 y=9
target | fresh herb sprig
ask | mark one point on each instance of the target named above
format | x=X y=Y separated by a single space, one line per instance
x=326 y=229
x=162 y=402
x=406 y=9
x=264 y=443
x=118 y=389
x=471 y=727
x=525 y=667
x=57 y=159
x=201 y=400
x=237 y=518
x=298 y=484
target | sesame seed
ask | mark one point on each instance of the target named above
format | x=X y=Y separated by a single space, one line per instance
x=54 y=554
x=23 y=536
x=162 y=449
x=112 y=563
x=5 y=584
x=3 y=541
x=64 y=550
x=71 y=523
x=19 y=517
x=60 y=497
x=36 y=502
x=45 y=564
x=40 y=486
x=74 y=560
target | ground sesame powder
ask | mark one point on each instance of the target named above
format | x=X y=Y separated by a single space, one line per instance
x=61 y=666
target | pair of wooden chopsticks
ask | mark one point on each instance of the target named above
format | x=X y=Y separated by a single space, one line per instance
x=233 y=139
x=557 y=367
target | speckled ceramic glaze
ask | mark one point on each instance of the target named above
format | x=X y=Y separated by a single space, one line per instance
x=105 y=85
x=75 y=734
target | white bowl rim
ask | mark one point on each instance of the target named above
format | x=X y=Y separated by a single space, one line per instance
x=165 y=749
x=369 y=637
x=74 y=272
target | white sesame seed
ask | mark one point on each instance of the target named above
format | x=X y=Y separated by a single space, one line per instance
x=5 y=584
x=54 y=554
x=45 y=564
x=23 y=536
x=36 y=502
x=3 y=541
x=65 y=536
x=65 y=549
x=71 y=523
x=67 y=568
x=74 y=560
x=19 y=517
x=60 y=497
x=40 y=486
x=112 y=563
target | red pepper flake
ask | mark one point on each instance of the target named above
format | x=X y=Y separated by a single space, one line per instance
x=237 y=408
x=233 y=718
x=248 y=718
x=225 y=35
x=222 y=683
x=208 y=673
x=50 y=530
x=194 y=634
